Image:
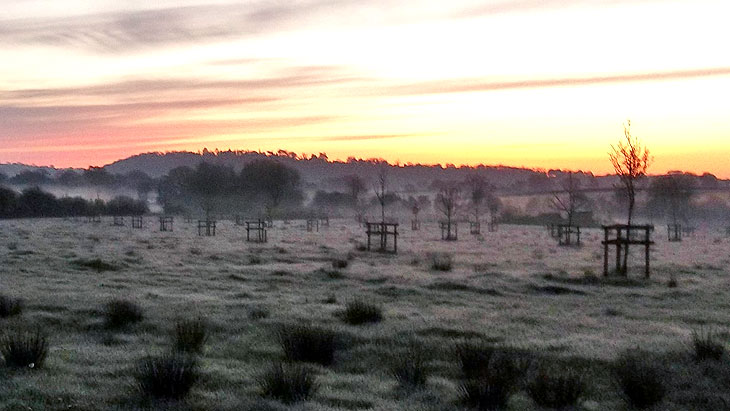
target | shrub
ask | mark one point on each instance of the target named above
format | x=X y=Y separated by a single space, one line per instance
x=24 y=349
x=307 y=344
x=555 y=389
x=706 y=347
x=410 y=368
x=288 y=383
x=171 y=376
x=10 y=306
x=672 y=282
x=441 y=261
x=191 y=335
x=258 y=313
x=358 y=312
x=492 y=387
x=474 y=359
x=641 y=382
x=120 y=313
x=339 y=264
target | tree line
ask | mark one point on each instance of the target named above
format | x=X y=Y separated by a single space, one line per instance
x=34 y=202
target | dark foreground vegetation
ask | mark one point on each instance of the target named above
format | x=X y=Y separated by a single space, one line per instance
x=34 y=202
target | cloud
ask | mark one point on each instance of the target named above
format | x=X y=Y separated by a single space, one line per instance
x=132 y=30
x=469 y=85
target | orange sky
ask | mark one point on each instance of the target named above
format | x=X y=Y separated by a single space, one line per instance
x=535 y=83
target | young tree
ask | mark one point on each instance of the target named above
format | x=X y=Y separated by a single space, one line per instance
x=672 y=193
x=447 y=202
x=355 y=187
x=630 y=161
x=380 y=189
x=477 y=193
x=571 y=199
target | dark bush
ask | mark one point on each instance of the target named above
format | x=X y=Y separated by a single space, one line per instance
x=441 y=261
x=474 y=359
x=308 y=344
x=24 y=349
x=641 y=382
x=359 y=312
x=288 y=383
x=10 y=306
x=191 y=335
x=493 y=386
x=339 y=264
x=170 y=376
x=258 y=313
x=120 y=313
x=554 y=388
x=409 y=367
x=706 y=346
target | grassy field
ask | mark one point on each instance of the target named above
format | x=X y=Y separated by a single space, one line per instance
x=514 y=289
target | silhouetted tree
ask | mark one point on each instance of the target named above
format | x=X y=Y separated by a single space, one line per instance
x=33 y=202
x=123 y=205
x=447 y=202
x=672 y=194
x=477 y=187
x=571 y=199
x=8 y=202
x=630 y=161
x=98 y=176
x=355 y=187
x=31 y=178
x=380 y=189
x=274 y=180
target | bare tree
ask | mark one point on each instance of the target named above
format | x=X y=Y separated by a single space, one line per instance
x=672 y=194
x=571 y=199
x=380 y=189
x=447 y=202
x=477 y=193
x=355 y=187
x=630 y=161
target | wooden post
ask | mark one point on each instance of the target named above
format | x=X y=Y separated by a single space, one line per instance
x=646 y=248
x=605 y=252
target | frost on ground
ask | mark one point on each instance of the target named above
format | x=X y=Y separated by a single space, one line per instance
x=514 y=288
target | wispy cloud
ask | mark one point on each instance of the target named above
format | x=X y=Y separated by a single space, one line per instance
x=483 y=85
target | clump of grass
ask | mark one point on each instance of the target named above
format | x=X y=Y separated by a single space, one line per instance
x=358 y=312
x=258 y=313
x=95 y=264
x=254 y=259
x=474 y=358
x=308 y=344
x=119 y=313
x=288 y=383
x=641 y=382
x=330 y=299
x=441 y=261
x=24 y=349
x=551 y=388
x=672 y=283
x=339 y=263
x=706 y=346
x=191 y=335
x=10 y=306
x=170 y=376
x=493 y=386
x=410 y=368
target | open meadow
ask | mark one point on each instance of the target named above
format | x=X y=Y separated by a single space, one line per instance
x=514 y=289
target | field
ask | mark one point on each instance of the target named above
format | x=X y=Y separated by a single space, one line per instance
x=513 y=288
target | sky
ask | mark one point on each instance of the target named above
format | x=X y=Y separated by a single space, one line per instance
x=534 y=83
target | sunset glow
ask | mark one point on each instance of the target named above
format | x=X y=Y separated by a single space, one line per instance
x=535 y=83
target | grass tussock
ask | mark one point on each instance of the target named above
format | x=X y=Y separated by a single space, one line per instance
x=641 y=381
x=441 y=261
x=171 y=376
x=288 y=383
x=358 y=312
x=706 y=346
x=308 y=344
x=96 y=264
x=190 y=335
x=24 y=349
x=410 y=367
x=120 y=313
x=473 y=359
x=10 y=306
x=551 y=387
x=493 y=386
x=339 y=264
x=258 y=313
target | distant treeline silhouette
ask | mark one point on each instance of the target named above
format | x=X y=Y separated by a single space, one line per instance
x=34 y=202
